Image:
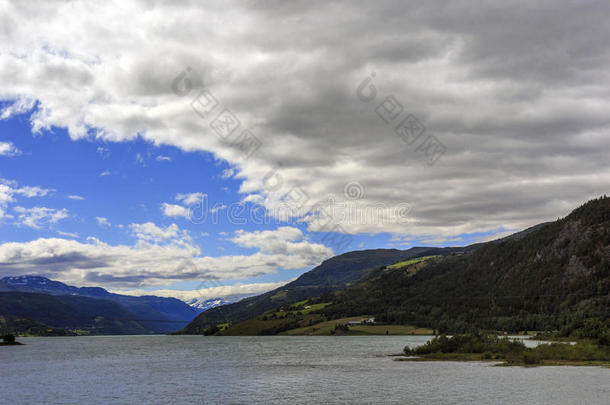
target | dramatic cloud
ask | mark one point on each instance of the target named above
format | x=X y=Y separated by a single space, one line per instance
x=148 y=263
x=517 y=92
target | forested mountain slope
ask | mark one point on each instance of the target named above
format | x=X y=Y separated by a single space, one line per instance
x=333 y=274
x=556 y=277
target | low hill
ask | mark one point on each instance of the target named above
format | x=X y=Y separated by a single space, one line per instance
x=67 y=312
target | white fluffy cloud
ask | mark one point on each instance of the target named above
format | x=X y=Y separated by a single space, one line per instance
x=8 y=149
x=39 y=217
x=68 y=234
x=219 y=291
x=174 y=210
x=161 y=256
x=519 y=100
x=283 y=240
x=227 y=173
x=9 y=190
x=151 y=233
x=103 y=222
x=35 y=217
x=191 y=198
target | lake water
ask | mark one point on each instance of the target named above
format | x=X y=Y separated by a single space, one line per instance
x=197 y=369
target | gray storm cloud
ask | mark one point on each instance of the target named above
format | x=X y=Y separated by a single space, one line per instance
x=517 y=92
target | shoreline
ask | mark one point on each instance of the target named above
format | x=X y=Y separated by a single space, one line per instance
x=510 y=352
x=467 y=357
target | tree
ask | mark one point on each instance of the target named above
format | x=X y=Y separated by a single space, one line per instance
x=9 y=339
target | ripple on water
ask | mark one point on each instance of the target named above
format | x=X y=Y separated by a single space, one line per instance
x=351 y=369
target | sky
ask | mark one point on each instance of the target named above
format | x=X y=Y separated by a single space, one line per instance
x=225 y=148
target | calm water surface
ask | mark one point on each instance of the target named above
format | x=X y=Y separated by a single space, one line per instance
x=197 y=369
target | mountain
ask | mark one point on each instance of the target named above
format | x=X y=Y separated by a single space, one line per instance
x=555 y=276
x=203 y=304
x=151 y=313
x=42 y=284
x=332 y=275
x=68 y=313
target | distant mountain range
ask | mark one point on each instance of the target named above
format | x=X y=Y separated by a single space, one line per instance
x=91 y=309
x=203 y=304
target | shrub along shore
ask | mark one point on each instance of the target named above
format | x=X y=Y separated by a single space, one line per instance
x=488 y=347
x=9 y=340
